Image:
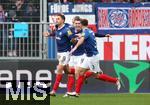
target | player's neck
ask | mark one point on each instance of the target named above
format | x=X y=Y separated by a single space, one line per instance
x=84 y=27
x=78 y=30
x=60 y=26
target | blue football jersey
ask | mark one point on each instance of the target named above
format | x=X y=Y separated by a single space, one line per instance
x=90 y=42
x=63 y=37
x=81 y=49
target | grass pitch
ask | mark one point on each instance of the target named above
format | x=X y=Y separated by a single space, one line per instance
x=102 y=99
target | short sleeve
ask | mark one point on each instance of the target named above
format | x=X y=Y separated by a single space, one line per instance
x=85 y=34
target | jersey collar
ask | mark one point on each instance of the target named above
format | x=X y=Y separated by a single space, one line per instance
x=61 y=27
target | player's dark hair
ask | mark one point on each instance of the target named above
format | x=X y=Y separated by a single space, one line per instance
x=77 y=18
x=62 y=16
x=84 y=22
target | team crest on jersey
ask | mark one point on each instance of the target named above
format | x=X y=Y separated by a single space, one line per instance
x=83 y=34
x=118 y=18
x=60 y=33
x=69 y=32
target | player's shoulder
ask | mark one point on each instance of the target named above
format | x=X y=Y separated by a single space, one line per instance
x=86 y=30
x=68 y=25
x=89 y=31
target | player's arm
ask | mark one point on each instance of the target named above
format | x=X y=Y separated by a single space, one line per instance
x=50 y=32
x=102 y=35
x=46 y=34
x=74 y=39
x=80 y=41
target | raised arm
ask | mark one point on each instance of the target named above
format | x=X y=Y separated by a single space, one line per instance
x=102 y=35
x=80 y=41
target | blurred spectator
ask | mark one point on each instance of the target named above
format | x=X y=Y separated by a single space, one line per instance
x=3 y=35
x=19 y=4
x=53 y=0
x=106 y=1
x=12 y=16
x=31 y=14
x=137 y=1
x=20 y=9
x=81 y=1
x=147 y=0
x=121 y=1
x=62 y=1
x=2 y=14
x=65 y=1
x=11 y=40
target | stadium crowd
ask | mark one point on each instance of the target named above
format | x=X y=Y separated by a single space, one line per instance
x=19 y=10
x=16 y=11
x=28 y=10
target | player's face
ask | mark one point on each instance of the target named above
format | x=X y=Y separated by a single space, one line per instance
x=59 y=20
x=77 y=25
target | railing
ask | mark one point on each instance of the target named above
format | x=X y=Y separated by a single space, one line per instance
x=23 y=40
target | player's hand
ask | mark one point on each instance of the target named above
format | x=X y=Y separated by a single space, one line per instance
x=79 y=35
x=74 y=40
x=53 y=29
x=46 y=34
x=108 y=35
x=72 y=50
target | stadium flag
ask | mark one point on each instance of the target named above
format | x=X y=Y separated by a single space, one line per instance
x=123 y=18
x=129 y=25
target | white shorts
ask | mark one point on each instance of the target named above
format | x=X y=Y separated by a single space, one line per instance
x=75 y=61
x=91 y=63
x=63 y=58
